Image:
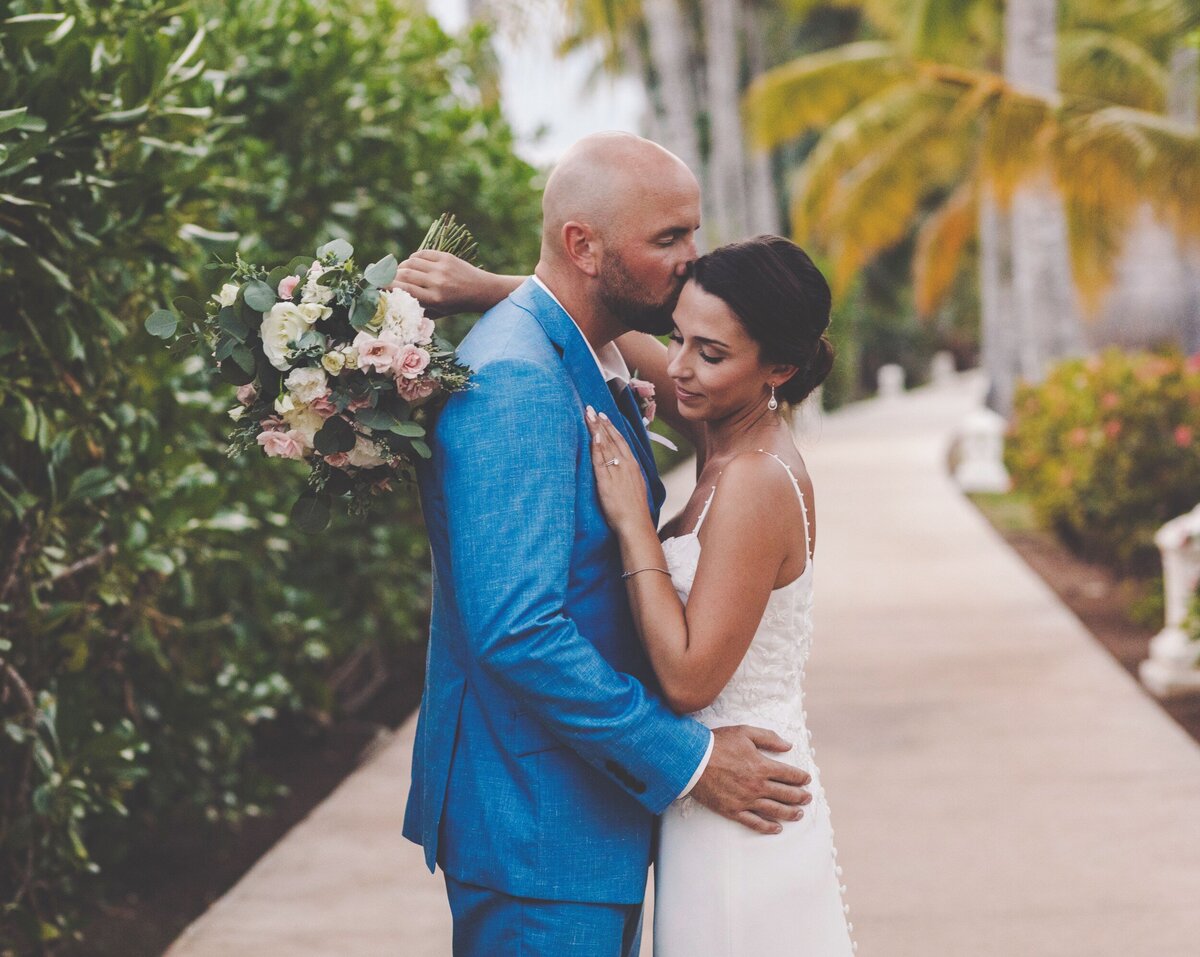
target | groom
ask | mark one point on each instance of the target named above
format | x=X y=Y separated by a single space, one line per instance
x=543 y=752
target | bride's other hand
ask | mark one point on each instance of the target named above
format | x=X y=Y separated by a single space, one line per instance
x=446 y=285
x=619 y=482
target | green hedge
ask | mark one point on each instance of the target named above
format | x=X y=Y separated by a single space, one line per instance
x=1109 y=449
x=155 y=606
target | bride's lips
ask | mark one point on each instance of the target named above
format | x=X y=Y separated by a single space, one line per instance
x=682 y=395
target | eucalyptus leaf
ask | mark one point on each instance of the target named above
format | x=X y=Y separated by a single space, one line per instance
x=225 y=347
x=259 y=296
x=162 y=323
x=341 y=250
x=234 y=374
x=408 y=429
x=242 y=355
x=189 y=307
x=383 y=272
x=232 y=323
x=423 y=450
x=377 y=418
x=311 y=512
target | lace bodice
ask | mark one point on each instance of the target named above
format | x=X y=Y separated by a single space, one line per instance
x=766 y=689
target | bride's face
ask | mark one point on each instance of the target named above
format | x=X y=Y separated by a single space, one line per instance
x=716 y=366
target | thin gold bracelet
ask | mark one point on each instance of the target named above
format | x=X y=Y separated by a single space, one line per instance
x=638 y=571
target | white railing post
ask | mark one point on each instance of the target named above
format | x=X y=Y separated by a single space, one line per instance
x=941 y=369
x=890 y=381
x=1172 y=668
x=980 y=465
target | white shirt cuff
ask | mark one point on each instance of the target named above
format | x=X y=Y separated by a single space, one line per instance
x=700 y=768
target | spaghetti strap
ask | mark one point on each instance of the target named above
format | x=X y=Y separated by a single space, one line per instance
x=704 y=511
x=800 y=495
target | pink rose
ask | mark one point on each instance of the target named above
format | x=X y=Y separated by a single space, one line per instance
x=411 y=362
x=414 y=390
x=425 y=329
x=378 y=354
x=322 y=406
x=287 y=286
x=272 y=423
x=278 y=444
x=338 y=459
x=363 y=402
x=246 y=394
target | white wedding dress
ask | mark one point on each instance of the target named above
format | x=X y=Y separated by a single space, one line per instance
x=720 y=889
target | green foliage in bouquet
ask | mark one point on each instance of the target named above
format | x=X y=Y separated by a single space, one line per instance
x=1108 y=448
x=158 y=610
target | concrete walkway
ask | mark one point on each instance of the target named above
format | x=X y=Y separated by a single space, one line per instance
x=999 y=785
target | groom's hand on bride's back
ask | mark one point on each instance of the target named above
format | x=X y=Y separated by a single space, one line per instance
x=744 y=785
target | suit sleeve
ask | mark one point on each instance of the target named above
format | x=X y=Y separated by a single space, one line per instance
x=511 y=448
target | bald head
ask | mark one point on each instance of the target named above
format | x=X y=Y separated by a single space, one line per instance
x=604 y=181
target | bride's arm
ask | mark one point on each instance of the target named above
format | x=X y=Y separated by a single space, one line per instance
x=645 y=354
x=695 y=650
x=446 y=285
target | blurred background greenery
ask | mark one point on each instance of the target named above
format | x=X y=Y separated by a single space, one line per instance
x=1017 y=183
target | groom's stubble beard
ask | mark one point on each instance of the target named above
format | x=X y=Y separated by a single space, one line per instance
x=622 y=297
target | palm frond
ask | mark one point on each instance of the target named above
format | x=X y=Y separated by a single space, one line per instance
x=1098 y=65
x=941 y=240
x=1144 y=21
x=866 y=178
x=952 y=31
x=1021 y=132
x=814 y=90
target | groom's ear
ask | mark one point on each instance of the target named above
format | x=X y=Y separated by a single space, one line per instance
x=582 y=247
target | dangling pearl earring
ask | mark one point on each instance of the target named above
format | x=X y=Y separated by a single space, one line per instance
x=773 y=403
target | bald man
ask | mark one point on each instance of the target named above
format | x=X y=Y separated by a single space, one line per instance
x=543 y=749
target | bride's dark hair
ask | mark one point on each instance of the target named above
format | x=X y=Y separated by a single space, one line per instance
x=781 y=299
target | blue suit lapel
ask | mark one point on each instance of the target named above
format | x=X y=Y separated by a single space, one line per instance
x=589 y=383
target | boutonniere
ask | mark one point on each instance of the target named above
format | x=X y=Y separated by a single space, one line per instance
x=643 y=391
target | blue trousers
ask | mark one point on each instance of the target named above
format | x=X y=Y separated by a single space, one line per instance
x=488 y=923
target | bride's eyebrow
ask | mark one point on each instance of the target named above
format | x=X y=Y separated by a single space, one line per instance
x=710 y=342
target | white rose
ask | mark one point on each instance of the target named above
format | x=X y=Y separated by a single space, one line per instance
x=333 y=362
x=306 y=422
x=314 y=291
x=228 y=294
x=283 y=324
x=284 y=404
x=365 y=454
x=313 y=311
x=351 y=355
x=237 y=412
x=307 y=384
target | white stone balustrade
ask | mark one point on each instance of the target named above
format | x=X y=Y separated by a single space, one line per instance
x=890 y=381
x=1172 y=668
x=980 y=466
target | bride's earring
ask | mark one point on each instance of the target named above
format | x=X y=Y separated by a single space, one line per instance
x=773 y=403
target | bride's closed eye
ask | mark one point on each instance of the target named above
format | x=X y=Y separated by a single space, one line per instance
x=711 y=360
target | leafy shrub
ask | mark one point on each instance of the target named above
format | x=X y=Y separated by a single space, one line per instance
x=1108 y=449
x=156 y=608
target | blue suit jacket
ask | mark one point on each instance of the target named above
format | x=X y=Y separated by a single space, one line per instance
x=542 y=751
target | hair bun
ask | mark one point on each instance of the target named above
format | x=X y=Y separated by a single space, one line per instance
x=800 y=386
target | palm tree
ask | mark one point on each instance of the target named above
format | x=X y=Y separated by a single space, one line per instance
x=924 y=129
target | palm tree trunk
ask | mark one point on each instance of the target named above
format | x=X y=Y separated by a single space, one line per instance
x=1183 y=104
x=1044 y=301
x=763 y=211
x=671 y=58
x=726 y=158
x=998 y=335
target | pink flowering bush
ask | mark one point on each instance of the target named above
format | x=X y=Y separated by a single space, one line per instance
x=1108 y=449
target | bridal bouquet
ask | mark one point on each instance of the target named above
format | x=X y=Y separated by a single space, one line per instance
x=332 y=368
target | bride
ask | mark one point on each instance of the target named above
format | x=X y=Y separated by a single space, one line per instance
x=723 y=599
